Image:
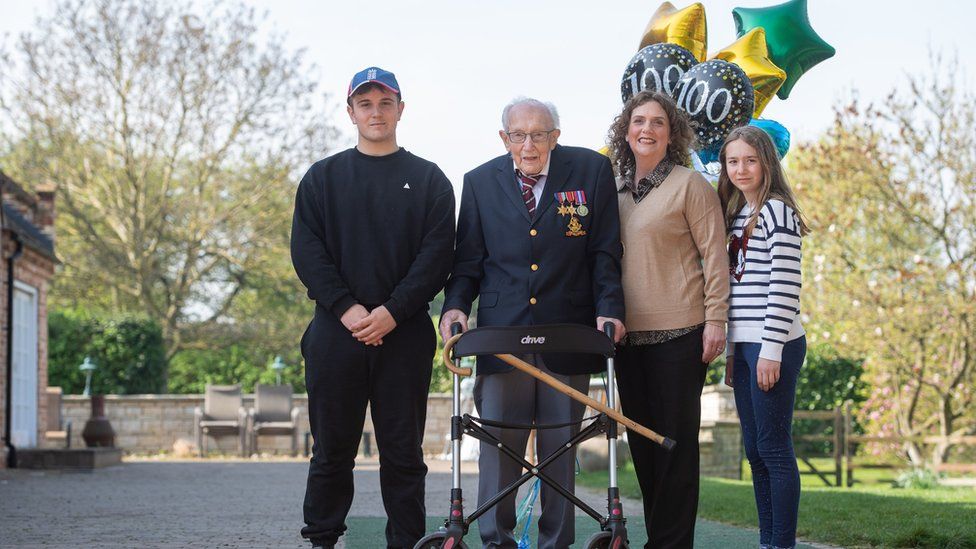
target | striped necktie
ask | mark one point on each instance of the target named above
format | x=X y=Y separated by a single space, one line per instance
x=527 y=182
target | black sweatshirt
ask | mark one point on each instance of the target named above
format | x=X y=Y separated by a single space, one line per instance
x=373 y=230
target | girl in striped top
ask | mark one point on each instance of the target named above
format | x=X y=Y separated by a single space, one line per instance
x=767 y=344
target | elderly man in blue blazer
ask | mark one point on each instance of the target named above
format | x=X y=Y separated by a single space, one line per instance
x=538 y=242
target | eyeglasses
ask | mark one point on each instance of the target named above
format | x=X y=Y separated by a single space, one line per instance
x=537 y=137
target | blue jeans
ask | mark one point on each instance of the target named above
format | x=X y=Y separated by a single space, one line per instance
x=767 y=425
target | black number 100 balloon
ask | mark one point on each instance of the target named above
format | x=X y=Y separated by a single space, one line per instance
x=657 y=67
x=718 y=97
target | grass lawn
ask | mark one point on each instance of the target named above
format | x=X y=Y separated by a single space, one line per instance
x=873 y=515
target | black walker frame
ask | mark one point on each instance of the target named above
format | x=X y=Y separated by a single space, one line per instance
x=521 y=340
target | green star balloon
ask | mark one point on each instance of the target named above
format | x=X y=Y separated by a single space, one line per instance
x=793 y=44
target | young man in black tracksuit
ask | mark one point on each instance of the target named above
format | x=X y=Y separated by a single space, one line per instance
x=372 y=241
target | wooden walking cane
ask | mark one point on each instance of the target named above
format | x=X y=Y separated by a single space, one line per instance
x=512 y=360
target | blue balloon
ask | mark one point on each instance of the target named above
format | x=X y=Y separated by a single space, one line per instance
x=709 y=155
x=776 y=131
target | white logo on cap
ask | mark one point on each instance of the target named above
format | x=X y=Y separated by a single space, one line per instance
x=371 y=74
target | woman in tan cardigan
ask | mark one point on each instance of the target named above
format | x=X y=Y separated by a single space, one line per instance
x=676 y=289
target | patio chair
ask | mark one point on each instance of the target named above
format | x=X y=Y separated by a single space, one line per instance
x=273 y=414
x=58 y=429
x=222 y=415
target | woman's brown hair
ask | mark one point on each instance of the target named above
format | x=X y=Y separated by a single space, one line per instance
x=682 y=135
x=774 y=183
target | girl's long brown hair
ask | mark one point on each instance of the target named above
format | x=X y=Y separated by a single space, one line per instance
x=774 y=184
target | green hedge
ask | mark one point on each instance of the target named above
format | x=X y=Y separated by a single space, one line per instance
x=127 y=350
x=191 y=370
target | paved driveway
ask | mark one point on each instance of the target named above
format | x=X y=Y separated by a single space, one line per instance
x=226 y=504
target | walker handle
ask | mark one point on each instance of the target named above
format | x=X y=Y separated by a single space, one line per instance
x=448 y=356
x=609 y=328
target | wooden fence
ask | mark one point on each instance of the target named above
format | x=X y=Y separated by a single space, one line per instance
x=843 y=442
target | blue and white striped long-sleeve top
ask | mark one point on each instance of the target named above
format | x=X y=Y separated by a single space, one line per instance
x=764 y=304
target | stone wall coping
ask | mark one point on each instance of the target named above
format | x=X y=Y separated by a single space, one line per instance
x=713 y=422
x=195 y=397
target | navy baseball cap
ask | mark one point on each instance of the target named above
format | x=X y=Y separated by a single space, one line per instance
x=377 y=75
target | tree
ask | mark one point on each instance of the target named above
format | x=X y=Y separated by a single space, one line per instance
x=891 y=190
x=174 y=135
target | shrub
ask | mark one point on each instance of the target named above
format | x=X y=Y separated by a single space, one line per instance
x=922 y=479
x=191 y=370
x=127 y=350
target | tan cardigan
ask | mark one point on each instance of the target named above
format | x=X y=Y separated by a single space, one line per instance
x=675 y=264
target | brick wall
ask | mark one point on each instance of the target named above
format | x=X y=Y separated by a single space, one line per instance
x=149 y=424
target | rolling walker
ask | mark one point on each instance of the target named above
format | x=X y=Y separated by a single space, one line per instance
x=505 y=343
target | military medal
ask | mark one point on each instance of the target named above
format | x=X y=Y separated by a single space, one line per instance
x=564 y=208
x=575 y=228
x=581 y=209
x=572 y=204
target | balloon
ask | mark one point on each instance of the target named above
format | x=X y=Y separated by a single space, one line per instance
x=779 y=134
x=657 y=67
x=684 y=27
x=700 y=165
x=707 y=156
x=718 y=97
x=793 y=44
x=750 y=54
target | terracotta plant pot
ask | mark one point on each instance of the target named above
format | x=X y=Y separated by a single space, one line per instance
x=98 y=431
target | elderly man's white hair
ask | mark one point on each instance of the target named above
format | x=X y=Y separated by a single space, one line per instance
x=529 y=102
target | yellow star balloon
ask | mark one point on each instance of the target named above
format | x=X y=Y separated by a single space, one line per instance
x=685 y=27
x=751 y=55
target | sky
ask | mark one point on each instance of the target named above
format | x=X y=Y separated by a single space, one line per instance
x=459 y=62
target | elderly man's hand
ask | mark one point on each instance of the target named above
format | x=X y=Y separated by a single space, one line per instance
x=450 y=317
x=619 y=330
x=370 y=330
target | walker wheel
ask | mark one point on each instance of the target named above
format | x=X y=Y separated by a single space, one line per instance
x=436 y=541
x=601 y=540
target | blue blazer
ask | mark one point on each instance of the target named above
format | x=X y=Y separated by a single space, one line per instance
x=528 y=271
